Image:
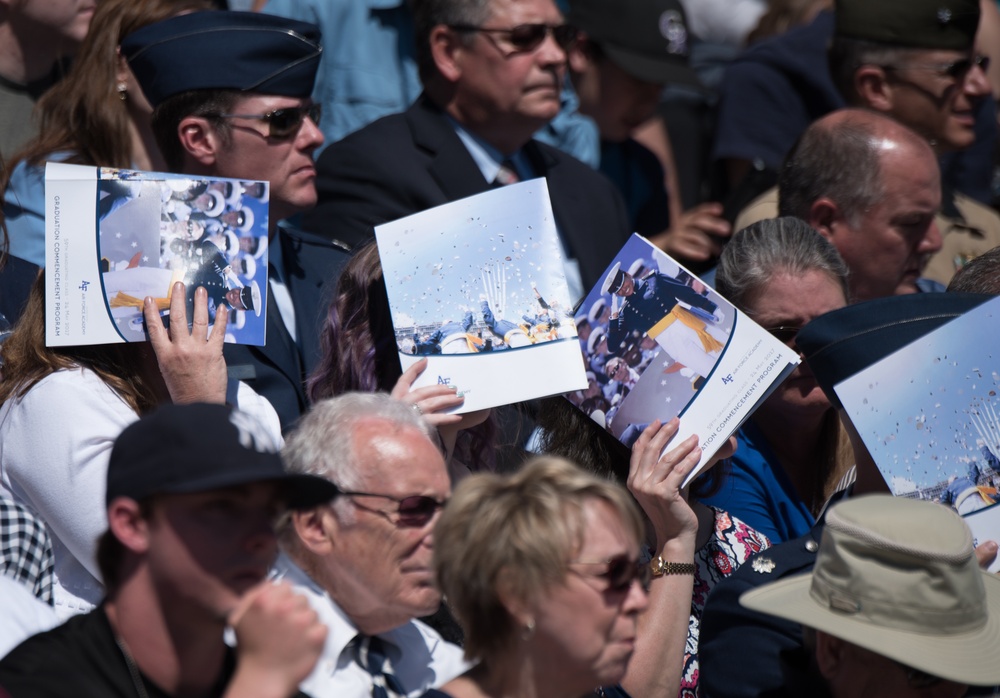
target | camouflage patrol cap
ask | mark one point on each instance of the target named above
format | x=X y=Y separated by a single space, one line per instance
x=929 y=24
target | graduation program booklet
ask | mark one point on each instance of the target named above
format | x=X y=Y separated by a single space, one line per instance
x=478 y=287
x=928 y=414
x=114 y=236
x=660 y=344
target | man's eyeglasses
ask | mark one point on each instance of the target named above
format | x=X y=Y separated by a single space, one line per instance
x=283 y=123
x=621 y=572
x=785 y=335
x=526 y=37
x=411 y=512
x=917 y=679
x=956 y=70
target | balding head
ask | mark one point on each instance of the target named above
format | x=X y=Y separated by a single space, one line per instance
x=871 y=186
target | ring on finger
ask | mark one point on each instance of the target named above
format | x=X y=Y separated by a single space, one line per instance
x=417 y=408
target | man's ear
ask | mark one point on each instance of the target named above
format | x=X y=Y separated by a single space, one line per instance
x=314 y=529
x=580 y=55
x=128 y=525
x=825 y=217
x=873 y=89
x=446 y=51
x=200 y=139
x=829 y=654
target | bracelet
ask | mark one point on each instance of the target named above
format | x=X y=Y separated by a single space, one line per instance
x=661 y=567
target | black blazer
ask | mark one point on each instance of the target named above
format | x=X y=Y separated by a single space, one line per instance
x=278 y=369
x=409 y=162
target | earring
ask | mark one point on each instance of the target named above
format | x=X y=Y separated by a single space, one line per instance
x=529 y=629
x=122 y=91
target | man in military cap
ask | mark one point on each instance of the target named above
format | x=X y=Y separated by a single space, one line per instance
x=652 y=306
x=915 y=62
x=231 y=96
x=193 y=492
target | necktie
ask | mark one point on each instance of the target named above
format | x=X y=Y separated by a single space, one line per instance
x=507 y=174
x=371 y=656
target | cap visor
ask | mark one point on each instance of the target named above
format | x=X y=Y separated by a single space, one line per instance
x=666 y=70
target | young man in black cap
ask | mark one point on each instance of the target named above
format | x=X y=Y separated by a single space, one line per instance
x=231 y=96
x=623 y=56
x=193 y=492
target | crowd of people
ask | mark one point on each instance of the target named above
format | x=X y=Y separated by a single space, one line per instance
x=187 y=516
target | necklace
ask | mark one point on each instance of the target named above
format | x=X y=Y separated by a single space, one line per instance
x=133 y=670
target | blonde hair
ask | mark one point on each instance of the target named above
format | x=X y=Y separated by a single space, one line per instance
x=524 y=528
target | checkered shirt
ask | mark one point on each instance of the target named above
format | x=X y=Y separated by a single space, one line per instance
x=25 y=549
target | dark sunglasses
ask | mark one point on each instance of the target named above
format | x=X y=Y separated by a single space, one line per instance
x=917 y=679
x=956 y=70
x=411 y=512
x=526 y=37
x=621 y=572
x=282 y=123
x=785 y=335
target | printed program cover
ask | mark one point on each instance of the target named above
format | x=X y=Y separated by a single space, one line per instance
x=661 y=344
x=477 y=286
x=114 y=236
x=928 y=414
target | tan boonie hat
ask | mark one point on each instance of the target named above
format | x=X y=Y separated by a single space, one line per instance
x=898 y=577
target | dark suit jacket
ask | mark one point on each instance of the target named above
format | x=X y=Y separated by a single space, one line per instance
x=278 y=369
x=744 y=653
x=409 y=162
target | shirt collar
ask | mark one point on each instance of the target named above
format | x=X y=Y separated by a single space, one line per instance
x=488 y=158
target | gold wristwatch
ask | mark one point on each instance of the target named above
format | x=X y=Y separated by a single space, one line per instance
x=661 y=567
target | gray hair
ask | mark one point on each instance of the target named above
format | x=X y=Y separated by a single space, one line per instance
x=323 y=442
x=846 y=55
x=428 y=14
x=839 y=161
x=755 y=254
x=981 y=275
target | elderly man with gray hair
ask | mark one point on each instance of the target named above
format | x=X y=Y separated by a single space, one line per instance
x=364 y=561
x=896 y=604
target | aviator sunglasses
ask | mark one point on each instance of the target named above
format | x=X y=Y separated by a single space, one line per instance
x=526 y=37
x=411 y=512
x=621 y=572
x=955 y=70
x=283 y=123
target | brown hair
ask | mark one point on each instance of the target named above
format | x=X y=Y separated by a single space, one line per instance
x=83 y=112
x=26 y=359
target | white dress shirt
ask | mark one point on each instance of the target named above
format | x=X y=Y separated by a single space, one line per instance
x=419 y=657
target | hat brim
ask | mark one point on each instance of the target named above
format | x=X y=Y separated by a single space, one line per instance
x=668 y=71
x=968 y=657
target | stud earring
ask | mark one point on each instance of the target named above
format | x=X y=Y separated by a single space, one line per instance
x=122 y=91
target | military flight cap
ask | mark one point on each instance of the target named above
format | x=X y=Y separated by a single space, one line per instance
x=184 y=449
x=838 y=344
x=648 y=39
x=930 y=24
x=244 y=51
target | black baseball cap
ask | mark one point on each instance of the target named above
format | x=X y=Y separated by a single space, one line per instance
x=648 y=39
x=182 y=449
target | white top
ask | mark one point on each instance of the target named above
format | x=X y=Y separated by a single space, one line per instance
x=419 y=657
x=55 y=443
x=23 y=615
